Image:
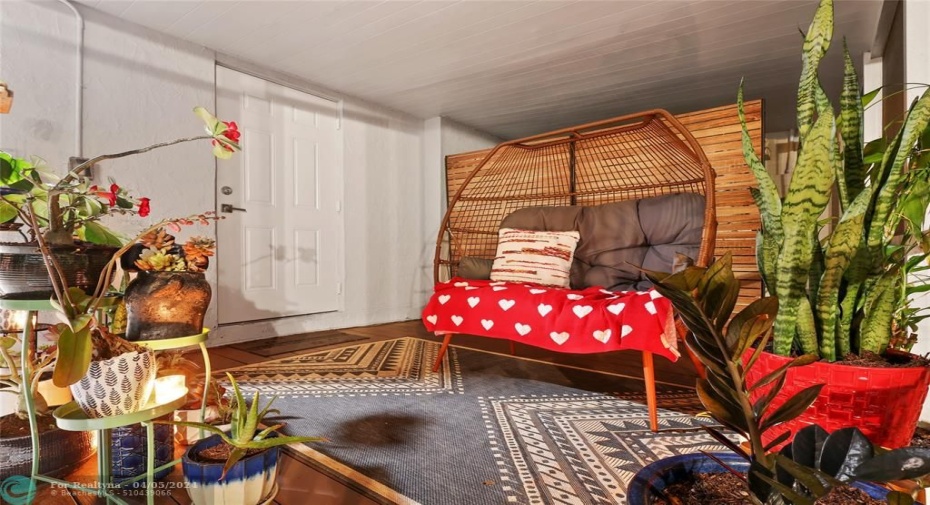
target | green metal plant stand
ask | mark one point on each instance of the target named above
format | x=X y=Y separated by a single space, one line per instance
x=70 y=416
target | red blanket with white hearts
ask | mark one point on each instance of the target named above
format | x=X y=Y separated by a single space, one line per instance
x=588 y=321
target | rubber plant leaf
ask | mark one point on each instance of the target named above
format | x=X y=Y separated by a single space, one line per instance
x=793 y=407
x=808 y=194
x=749 y=324
x=719 y=291
x=761 y=405
x=899 y=464
x=816 y=44
x=74 y=353
x=726 y=442
x=721 y=408
x=843 y=451
x=771 y=377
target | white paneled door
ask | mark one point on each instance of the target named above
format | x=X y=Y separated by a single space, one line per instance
x=281 y=243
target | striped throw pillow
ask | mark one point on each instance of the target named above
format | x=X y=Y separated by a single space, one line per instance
x=540 y=257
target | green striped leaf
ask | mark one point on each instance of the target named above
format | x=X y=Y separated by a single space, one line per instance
x=853 y=176
x=875 y=331
x=816 y=43
x=808 y=195
x=890 y=173
x=766 y=195
x=841 y=248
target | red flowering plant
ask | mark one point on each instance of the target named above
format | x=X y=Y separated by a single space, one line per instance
x=62 y=210
x=70 y=208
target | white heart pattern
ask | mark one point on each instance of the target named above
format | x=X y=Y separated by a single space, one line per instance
x=611 y=293
x=573 y=296
x=651 y=307
x=626 y=330
x=432 y=319
x=559 y=338
x=460 y=284
x=582 y=310
x=616 y=308
x=457 y=320
x=544 y=309
x=537 y=291
x=498 y=283
x=654 y=294
x=522 y=329
x=443 y=299
x=469 y=288
x=487 y=323
x=506 y=304
x=498 y=288
x=602 y=336
x=473 y=300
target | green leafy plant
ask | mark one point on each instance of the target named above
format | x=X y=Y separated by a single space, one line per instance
x=841 y=294
x=70 y=208
x=704 y=299
x=43 y=361
x=247 y=433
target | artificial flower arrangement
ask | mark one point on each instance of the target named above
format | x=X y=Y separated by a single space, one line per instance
x=157 y=251
x=68 y=209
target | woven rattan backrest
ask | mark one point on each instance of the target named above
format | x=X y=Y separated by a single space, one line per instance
x=628 y=157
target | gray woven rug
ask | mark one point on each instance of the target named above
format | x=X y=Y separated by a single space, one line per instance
x=486 y=429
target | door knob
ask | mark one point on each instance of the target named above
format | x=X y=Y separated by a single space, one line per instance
x=228 y=208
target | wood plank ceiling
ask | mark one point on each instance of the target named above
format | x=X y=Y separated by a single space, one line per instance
x=514 y=68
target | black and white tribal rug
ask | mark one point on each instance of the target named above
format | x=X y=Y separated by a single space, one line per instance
x=486 y=429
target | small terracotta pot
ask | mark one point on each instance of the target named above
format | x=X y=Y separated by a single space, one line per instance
x=166 y=305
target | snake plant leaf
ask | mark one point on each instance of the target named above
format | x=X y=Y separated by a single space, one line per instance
x=874 y=151
x=749 y=324
x=853 y=177
x=893 y=163
x=881 y=302
x=899 y=464
x=774 y=375
x=841 y=248
x=816 y=44
x=793 y=407
x=768 y=201
x=74 y=353
x=843 y=451
x=808 y=195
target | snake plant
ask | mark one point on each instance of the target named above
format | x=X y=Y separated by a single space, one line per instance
x=841 y=285
x=812 y=463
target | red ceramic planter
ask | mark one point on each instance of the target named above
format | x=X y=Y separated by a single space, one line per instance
x=884 y=403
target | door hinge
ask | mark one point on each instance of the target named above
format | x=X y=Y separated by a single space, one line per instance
x=338 y=205
x=338 y=288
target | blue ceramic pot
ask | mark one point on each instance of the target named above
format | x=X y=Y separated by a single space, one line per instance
x=128 y=450
x=248 y=482
x=665 y=472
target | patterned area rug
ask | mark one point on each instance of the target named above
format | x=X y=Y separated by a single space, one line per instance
x=486 y=429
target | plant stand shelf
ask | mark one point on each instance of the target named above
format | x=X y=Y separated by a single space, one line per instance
x=70 y=416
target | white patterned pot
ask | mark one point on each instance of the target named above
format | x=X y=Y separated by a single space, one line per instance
x=116 y=386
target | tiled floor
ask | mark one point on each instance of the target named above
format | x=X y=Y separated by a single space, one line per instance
x=302 y=485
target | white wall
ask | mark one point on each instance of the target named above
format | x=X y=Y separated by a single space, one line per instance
x=441 y=137
x=872 y=79
x=140 y=87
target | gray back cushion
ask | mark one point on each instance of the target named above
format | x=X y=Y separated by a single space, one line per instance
x=616 y=238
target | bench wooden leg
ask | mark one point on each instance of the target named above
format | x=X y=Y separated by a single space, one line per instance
x=442 y=350
x=650 y=377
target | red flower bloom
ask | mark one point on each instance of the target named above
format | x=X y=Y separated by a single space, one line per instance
x=232 y=131
x=144 y=207
x=114 y=188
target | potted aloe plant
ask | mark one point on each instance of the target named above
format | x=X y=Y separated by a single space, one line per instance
x=812 y=465
x=843 y=290
x=239 y=466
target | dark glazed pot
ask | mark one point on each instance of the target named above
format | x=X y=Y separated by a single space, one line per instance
x=23 y=275
x=166 y=305
x=60 y=452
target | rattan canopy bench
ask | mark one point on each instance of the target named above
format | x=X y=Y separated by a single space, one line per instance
x=631 y=187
